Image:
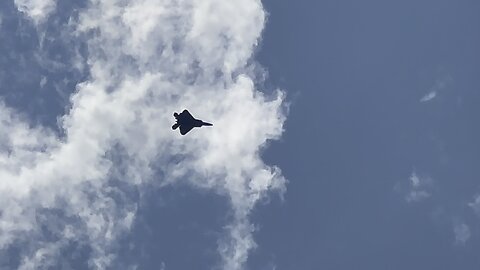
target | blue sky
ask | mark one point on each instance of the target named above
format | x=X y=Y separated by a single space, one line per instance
x=345 y=134
x=381 y=142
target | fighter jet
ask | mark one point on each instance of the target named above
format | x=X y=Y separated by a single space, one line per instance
x=186 y=122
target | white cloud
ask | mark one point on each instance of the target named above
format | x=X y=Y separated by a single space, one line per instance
x=146 y=59
x=416 y=196
x=475 y=205
x=414 y=179
x=439 y=86
x=37 y=10
x=43 y=81
x=429 y=96
x=419 y=188
x=462 y=233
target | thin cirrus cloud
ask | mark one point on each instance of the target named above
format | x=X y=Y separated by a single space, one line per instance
x=145 y=60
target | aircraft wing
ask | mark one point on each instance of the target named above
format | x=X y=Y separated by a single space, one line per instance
x=185 y=129
x=186 y=116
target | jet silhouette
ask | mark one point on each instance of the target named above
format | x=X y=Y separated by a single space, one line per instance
x=186 y=122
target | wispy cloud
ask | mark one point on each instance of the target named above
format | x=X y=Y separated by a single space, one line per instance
x=37 y=10
x=429 y=96
x=419 y=188
x=439 y=86
x=146 y=59
x=462 y=233
x=416 y=196
x=43 y=81
x=475 y=205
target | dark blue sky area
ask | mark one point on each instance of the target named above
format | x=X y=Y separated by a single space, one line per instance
x=355 y=73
